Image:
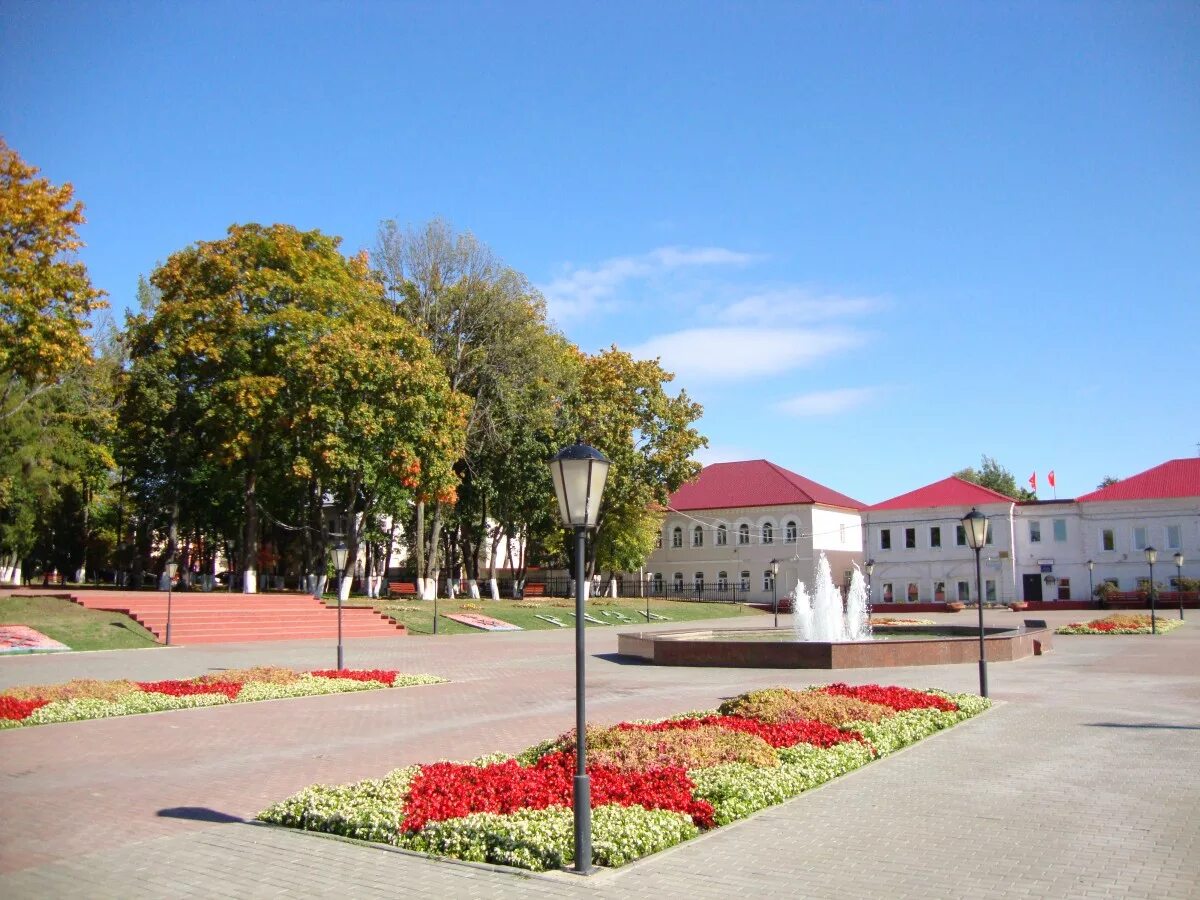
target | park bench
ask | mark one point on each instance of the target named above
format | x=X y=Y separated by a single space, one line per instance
x=402 y=588
x=534 y=590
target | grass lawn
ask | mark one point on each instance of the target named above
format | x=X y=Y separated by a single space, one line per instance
x=417 y=615
x=73 y=625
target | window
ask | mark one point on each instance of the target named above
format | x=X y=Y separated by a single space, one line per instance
x=658 y=542
x=658 y=582
x=677 y=537
x=789 y=533
x=1139 y=537
x=697 y=536
x=768 y=580
x=842 y=533
x=698 y=581
x=887 y=592
x=722 y=535
x=935 y=536
x=885 y=539
x=964 y=592
x=1173 y=537
x=678 y=581
x=960 y=536
x=991 y=533
x=1060 y=531
x=913 y=592
x=745 y=581
x=1108 y=539
x=723 y=581
x=768 y=533
x=1064 y=589
x=939 y=591
x=910 y=539
x=1035 y=532
x=989 y=590
x=743 y=534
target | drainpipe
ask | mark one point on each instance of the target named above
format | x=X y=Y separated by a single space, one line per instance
x=1012 y=550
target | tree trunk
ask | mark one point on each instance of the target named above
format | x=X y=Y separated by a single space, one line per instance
x=431 y=564
x=250 y=542
x=419 y=550
x=172 y=545
x=493 y=584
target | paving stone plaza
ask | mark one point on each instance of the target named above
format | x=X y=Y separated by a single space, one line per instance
x=1082 y=781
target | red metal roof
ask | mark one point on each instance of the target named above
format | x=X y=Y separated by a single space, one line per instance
x=755 y=482
x=952 y=491
x=1174 y=478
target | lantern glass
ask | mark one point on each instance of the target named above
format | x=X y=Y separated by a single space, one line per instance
x=870 y=566
x=1179 y=559
x=579 y=474
x=1151 y=555
x=340 y=552
x=172 y=568
x=975 y=524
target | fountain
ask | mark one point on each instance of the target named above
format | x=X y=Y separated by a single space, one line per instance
x=820 y=617
x=828 y=633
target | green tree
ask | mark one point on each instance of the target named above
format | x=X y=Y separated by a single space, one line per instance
x=994 y=476
x=621 y=407
x=1107 y=481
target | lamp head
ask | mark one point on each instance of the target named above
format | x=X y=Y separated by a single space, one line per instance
x=870 y=567
x=1151 y=555
x=1178 y=560
x=975 y=524
x=579 y=474
x=340 y=552
x=172 y=568
x=1091 y=565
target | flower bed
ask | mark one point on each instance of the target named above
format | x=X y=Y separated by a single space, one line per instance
x=893 y=620
x=1120 y=623
x=88 y=699
x=654 y=784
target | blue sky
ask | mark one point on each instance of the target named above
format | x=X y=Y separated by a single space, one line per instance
x=875 y=241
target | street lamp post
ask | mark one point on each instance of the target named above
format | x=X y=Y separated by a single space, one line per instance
x=646 y=591
x=975 y=524
x=775 y=588
x=1179 y=581
x=1152 y=558
x=579 y=473
x=1091 y=586
x=340 y=552
x=870 y=568
x=172 y=567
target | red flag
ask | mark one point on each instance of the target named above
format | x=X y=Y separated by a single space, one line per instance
x=1050 y=478
x=1033 y=482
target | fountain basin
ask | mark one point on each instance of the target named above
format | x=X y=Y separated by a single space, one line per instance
x=743 y=648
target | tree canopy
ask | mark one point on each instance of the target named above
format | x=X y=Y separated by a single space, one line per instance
x=994 y=476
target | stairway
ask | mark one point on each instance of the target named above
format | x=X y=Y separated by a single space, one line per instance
x=199 y=618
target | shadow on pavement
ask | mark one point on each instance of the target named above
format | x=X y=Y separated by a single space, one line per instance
x=1142 y=725
x=622 y=660
x=197 y=814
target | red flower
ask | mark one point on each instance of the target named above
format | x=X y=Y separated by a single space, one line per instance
x=230 y=689
x=449 y=790
x=16 y=710
x=786 y=734
x=387 y=676
x=897 y=698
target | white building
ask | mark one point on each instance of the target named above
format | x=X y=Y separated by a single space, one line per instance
x=725 y=528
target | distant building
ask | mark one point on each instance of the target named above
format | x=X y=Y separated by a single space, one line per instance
x=723 y=530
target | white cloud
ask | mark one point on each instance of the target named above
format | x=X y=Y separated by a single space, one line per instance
x=725 y=453
x=712 y=354
x=581 y=291
x=793 y=305
x=828 y=403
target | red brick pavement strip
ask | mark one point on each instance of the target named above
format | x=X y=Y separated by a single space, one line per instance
x=111 y=785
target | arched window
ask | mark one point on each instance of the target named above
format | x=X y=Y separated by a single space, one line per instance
x=723 y=581
x=768 y=533
x=677 y=537
x=697 y=536
x=789 y=533
x=722 y=535
x=745 y=580
x=698 y=581
x=743 y=534
x=678 y=581
x=658 y=582
x=914 y=593
x=768 y=580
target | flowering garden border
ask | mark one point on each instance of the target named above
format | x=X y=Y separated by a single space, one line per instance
x=81 y=700
x=1121 y=623
x=654 y=783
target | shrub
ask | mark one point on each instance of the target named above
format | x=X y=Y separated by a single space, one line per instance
x=779 y=705
x=268 y=674
x=78 y=689
x=639 y=747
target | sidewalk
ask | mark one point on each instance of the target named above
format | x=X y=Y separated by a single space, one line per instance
x=1083 y=781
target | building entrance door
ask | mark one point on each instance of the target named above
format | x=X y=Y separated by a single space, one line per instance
x=1031 y=587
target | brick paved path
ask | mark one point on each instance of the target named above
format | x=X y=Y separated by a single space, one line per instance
x=1084 y=781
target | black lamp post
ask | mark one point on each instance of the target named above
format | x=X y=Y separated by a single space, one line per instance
x=579 y=473
x=975 y=524
x=1152 y=558
x=775 y=588
x=1179 y=581
x=340 y=552
x=646 y=592
x=1091 y=586
x=171 y=568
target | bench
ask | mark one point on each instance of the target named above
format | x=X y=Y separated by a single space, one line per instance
x=402 y=588
x=534 y=590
